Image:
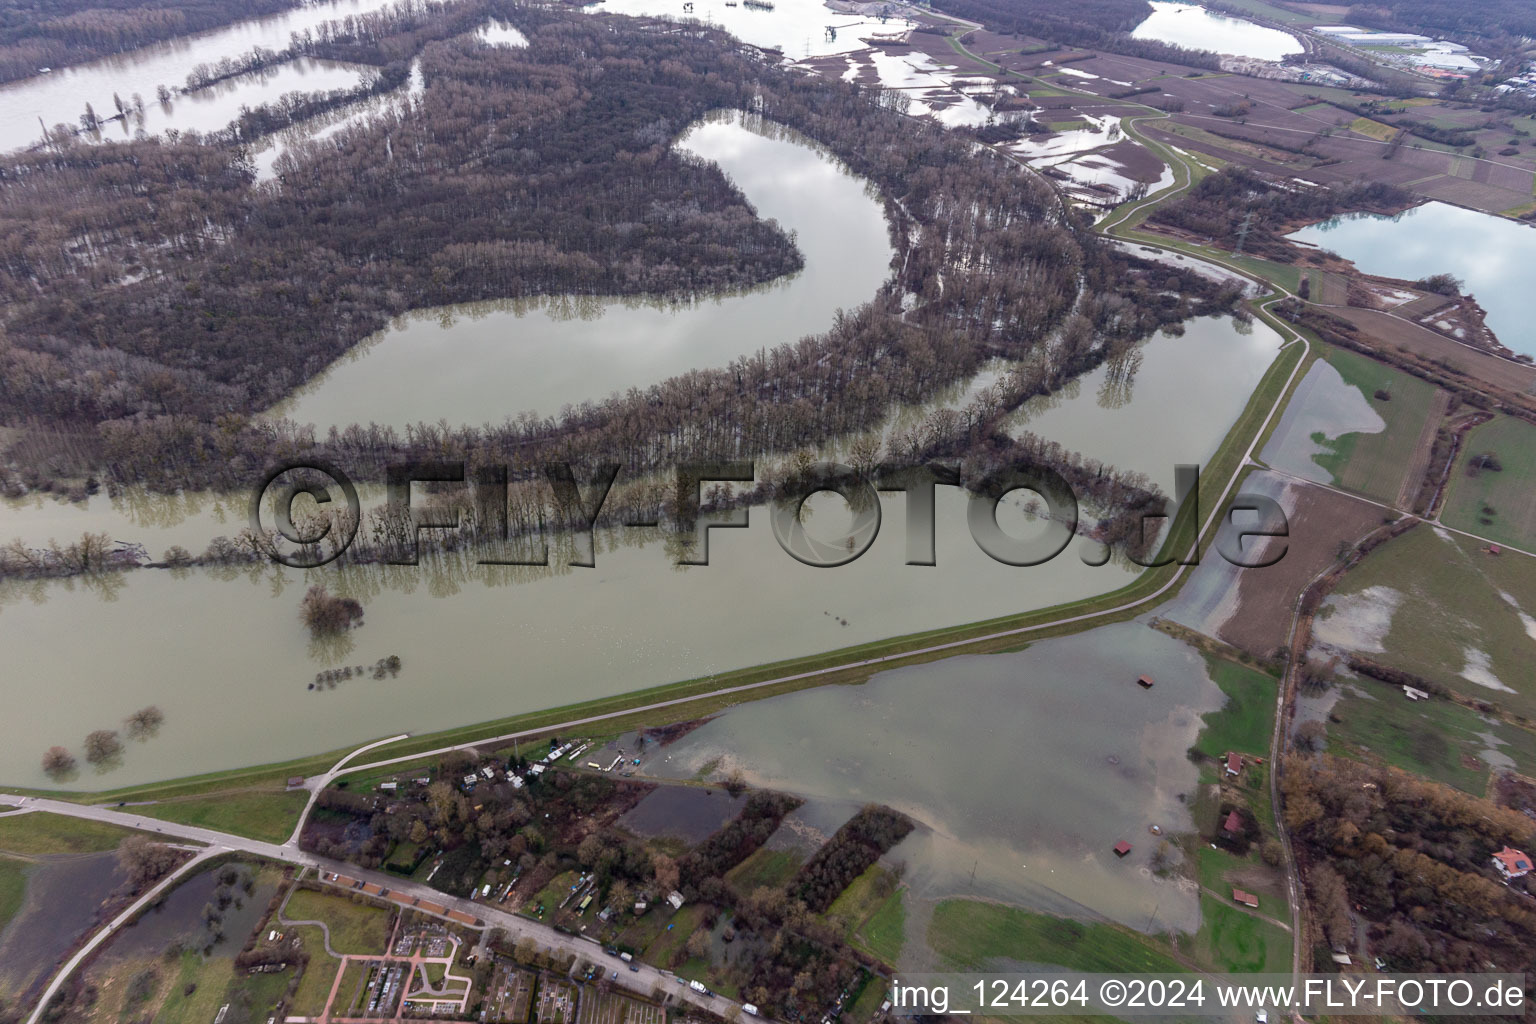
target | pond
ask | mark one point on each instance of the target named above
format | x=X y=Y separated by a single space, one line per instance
x=61 y=95
x=1492 y=255
x=688 y=813
x=1195 y=28
x=1024 y=769
x=482 y=362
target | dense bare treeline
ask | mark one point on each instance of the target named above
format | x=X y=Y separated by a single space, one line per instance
x=1097 y=24
x=1508 y=25
x=855 y=848
x=157 y=301
x=736 y=840
x=1412 y=860
x=1236 y=201
x=53 y=33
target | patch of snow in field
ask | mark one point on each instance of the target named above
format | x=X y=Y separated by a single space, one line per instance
x=1075 y=73
x=1358 y=622
x=1479 y=670
x=1065 y=143
x=1495 y=757
x=501 y=33
x=1525 y=620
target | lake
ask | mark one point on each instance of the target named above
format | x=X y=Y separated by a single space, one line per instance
x=482 y=362
x=1195 y=28
x=1493 y=255
x=61 y=95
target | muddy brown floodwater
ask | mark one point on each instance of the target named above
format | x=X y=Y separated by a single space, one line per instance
x=1023 y=769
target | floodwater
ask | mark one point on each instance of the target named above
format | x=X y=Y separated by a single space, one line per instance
x=482 y=362
x=224 y=655
x=62 y=94
x=1195 y=28
x=1324 y=408
x=1025 y=768
x=930 y=88
x=682 y=812
x=64 y=894
x=324 y=126
x=799 y=28
x=1208 y=599
x=179 y=916
x=1492 y=255
x=213 y=108
x=1192 y=386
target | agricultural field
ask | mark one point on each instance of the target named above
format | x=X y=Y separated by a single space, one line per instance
x=1372 y=129
x=1378 y=465
x=355 y=927
x=13 y=888
x=315 y=986
x=1442 y=606
x=1496 y=503
x=599 y=1007
x=1270 y=12
x=267 y=815
x=1240 y=941
x=969 y=934
x=39 y=833
x=1246 y=720
x=884 y=932
x=765 y=867
x=1435 y=739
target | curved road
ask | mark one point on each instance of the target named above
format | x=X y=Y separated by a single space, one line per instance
x=645 y=980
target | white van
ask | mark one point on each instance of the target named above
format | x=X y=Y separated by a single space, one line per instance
x=749 y=1008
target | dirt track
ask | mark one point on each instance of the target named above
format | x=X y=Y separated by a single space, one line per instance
x=1393 y=332
x=1414 y=477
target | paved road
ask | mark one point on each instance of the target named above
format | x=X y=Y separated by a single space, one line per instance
x=643 y=981
x=119 y=921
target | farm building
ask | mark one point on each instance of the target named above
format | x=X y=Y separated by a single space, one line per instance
x=1247 y=899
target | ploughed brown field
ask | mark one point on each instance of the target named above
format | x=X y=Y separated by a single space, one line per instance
x=1321 y=521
